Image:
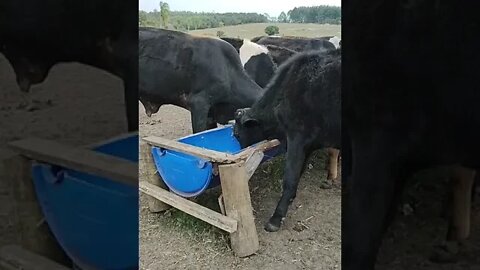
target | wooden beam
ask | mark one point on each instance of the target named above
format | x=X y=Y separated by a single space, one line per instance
x=247 y=152
x=150 y=174
x=208 y=154
x=211 y=155
x=112 y=139
x=79 y=159
x=252 y=162
x=214 y=218
x=236 y=198
x=15 y=257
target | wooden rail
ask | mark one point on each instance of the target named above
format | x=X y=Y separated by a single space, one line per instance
x=214 y=218
x=211 y=155
x=84 y=160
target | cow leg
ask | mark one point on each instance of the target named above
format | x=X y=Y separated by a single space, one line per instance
x=199 y=115
x=333 y=163
x=369 y=204
x=211 y=123
x=131 y=103
x=294 y=164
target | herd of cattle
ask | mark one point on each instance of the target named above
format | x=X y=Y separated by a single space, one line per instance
x=399 y=113
x=219 y=80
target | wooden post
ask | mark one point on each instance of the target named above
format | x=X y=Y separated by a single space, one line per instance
x=462 y=180
x=151 y=175
x=332 y=163
x=236 y=196
x=33 y=234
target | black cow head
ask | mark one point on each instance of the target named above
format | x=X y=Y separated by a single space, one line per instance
x=248 y=130
x=28 y=71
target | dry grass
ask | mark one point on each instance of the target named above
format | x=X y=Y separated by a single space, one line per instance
x=287 y=29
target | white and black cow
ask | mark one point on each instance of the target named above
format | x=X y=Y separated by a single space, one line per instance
x=36 y=35
x=301 y=107
x=259 y=61
x=336 y=41
x=202 y=74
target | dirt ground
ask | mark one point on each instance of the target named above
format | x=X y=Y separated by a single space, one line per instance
x=176 y=241
x=422 y=225
x=77 y=104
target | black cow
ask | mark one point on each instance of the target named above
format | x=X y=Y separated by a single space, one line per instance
x=201 y=74
x=301 y=107
x=299 y=44
x=406 y=106
x=36 y=35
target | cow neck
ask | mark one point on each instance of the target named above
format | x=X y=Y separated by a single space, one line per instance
x=248 y=92
x=263 y=110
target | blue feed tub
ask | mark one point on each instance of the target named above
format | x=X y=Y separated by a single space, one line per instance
x=188 y=175
x=94 y=219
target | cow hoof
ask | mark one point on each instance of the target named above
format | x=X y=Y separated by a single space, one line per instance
x=326 y=184
x=269 y=227
x=273 y=224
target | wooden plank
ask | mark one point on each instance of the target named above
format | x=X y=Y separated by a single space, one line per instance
x=15 y=257
x=113 y=139
x=222 y=206
x=208 y=154
x=251 y=164
x=151 y=175
x=79 y=159
x=214 y=218
x=236 y=198
x=261 y=146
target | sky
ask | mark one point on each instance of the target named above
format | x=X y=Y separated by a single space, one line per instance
x=272 y=7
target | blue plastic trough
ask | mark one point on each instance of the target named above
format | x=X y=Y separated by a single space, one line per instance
x=188 y=175
x=94 y=219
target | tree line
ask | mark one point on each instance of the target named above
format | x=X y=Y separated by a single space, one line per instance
x=318 y=14
x=186 y=20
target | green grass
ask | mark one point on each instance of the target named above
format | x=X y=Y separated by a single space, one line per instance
x=197 y=229
x=287 y=29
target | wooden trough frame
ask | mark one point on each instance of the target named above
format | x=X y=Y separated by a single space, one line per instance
x=234 y=170
x=38 y=248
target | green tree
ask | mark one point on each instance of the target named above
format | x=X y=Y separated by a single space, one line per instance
x=282 y=17
x=220 y=33
x=272 y=30
x=164 y=13
x=142 y=18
